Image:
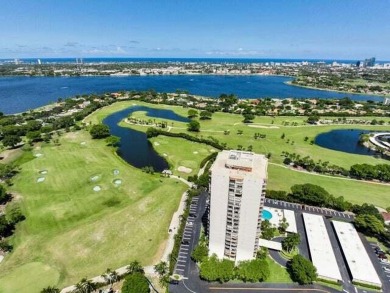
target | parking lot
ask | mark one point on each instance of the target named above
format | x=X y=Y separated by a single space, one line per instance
x=308 y=209
x=384 y=264
x=187 y=240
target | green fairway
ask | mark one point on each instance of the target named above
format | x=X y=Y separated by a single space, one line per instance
x=72 y=231
x=280 y=178
x=179 y=152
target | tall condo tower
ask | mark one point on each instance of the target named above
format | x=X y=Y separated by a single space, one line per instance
x=237 y=188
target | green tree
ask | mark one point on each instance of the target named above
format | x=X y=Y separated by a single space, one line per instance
x=135 y=267
x=99 y=131
x=302 y=270
x=248 y=118
x=310 y=194
x=161 y=268
x=111 y=276
x=369 y=224
x=4 y=196
x=253 y=271
x=193 y=126
x=267 y=231
x=283 y=225
x=11 y=140
x=50 y=289
x=291 y=241
x=135 y=283
x=34 y=135
x=113 y=140
x=212 y=269
x=200 y=252
x=84 y=286
x=192 y=113
x=205 y=115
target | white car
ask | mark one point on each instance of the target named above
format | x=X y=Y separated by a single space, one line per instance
x=386 y=269
x=190 y=223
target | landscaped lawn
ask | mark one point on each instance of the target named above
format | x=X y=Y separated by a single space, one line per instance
x=72 y=231
x=278 y=273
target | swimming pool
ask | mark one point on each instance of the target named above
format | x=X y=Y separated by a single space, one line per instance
x=266 y=215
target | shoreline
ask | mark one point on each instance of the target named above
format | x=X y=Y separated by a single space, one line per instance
x=336 y=91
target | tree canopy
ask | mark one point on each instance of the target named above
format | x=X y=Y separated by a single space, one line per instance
x=135 y=283
x=310 y=194
x=99 y=131
x=302 y=270
x=212 y=269
x=193 y=126
x=253 y=271
x=291 y=241
x=369 y=224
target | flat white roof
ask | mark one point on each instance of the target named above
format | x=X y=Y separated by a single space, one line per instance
x=321 y=251
x=240 y=164
x=290 y=218
x=270 y=244
x=359 y=262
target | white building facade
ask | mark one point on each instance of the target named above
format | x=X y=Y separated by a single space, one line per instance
x=237 y=188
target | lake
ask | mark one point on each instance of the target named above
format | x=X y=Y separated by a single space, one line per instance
x=344 y=140
x=19 y=94
x=134 y=147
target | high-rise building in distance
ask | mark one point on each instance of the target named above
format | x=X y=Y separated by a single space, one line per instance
x=237 y=194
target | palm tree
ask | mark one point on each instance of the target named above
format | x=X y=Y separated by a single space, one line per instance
x=161 y=268
x=84 y=286
x=111 y=276
x=134 y=267
x=50 y=290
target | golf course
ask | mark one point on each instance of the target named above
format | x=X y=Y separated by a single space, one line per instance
x=88 y=210
x=279 y=177
x=91 y=212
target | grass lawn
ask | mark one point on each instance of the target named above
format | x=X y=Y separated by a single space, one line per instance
x=280 y=178
x=179 y=152
x=72 y=231
x=278 y=273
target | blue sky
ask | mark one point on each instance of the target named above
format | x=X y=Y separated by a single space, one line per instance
x=325 y=29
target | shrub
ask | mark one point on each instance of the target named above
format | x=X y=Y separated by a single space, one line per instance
x=136 y=283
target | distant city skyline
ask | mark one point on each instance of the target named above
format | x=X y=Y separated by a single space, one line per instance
x=351 y=30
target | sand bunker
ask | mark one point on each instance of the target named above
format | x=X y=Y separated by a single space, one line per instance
x=97 y=188
x=195 y=152
x=95 y=178
x=40 y=179
x=156 y=143
x=83 y=143
x=184 y=169
x=38 y=155
x=117 y=181
x=115 y=172
x=165 y=155
x=43 y=172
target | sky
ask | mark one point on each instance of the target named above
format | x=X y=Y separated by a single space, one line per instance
x=312 y=29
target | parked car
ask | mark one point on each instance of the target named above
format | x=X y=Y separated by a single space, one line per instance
x=185 y=242
x=382 y=255
x=190 y=223
x=386 y=269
